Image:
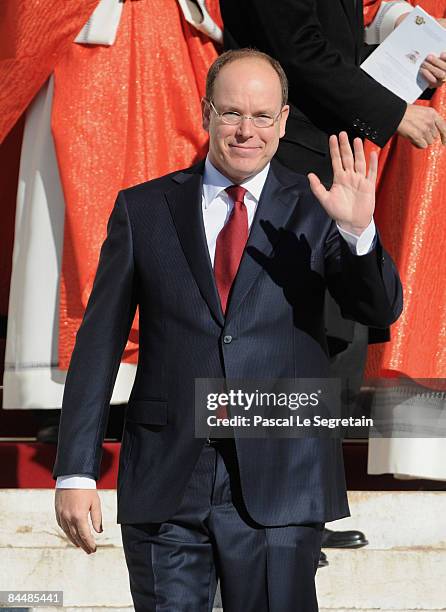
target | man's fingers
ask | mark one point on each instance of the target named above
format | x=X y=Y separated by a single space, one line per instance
x=360 y=163
x=434 y=126
x=65 y=526
x=420 y=143
x=58 y=519
x=435 y=67
x=317 y=188
x=80 y=541
x=335 y=155
x=436 y=61
x=96 y=516
x=72 y=509
x=440 y=124
x=430 y=134
x=75 y=536
x=431 y=79
x=373 y=166
x=347 y=158
x=81 y=535
x=421 y=125
x=85 y=536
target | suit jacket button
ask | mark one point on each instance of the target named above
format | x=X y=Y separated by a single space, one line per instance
x=227 y=339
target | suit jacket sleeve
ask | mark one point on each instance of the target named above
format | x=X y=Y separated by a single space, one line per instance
x=100 y=342
x=333 y=93
x=366 y=287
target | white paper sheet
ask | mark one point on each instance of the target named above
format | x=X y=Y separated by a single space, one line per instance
x=396 y=62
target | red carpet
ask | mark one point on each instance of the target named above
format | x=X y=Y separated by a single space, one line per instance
x=28 y=465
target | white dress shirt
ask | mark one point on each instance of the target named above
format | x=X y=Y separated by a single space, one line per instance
x=217 y=207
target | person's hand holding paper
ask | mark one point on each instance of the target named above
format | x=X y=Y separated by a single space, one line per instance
x=407 y=62
x=433 y=68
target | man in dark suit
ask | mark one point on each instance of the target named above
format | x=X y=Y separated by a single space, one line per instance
x=320 y=44
x=228 y=262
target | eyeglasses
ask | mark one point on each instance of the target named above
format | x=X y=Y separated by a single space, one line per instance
x=234 y=118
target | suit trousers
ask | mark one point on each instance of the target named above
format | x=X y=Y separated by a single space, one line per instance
x=174 y=566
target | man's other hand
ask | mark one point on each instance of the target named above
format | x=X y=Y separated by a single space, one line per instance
x=351 y=199
x=422 y=125
x=72 y=508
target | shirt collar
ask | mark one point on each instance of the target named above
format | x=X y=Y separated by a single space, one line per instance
x=214 y=182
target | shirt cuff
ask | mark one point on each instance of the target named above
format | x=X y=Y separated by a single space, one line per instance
x=75 y=481
x=363 y=244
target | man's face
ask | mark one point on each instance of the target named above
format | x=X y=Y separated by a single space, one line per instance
x=249 y=86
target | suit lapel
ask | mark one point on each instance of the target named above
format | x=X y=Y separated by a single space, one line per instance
x=275 y=206
x=185 y=206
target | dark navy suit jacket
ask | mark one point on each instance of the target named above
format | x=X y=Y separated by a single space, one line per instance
x=156 y=256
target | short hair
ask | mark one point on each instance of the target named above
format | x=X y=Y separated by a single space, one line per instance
x=228 y=57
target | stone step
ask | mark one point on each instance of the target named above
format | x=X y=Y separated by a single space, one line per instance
x=214 y=610
x=398 y=520
x=376 y=579
x=403 y=568
x=391 y=519
x=404 y=580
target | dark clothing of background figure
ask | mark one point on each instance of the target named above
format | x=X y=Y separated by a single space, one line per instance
x=319 y=43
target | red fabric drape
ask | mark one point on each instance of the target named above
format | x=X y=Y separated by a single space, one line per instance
x=371 y=7
x=9 y=163
x=33 y=37
x=122 y=115
x=411 y=217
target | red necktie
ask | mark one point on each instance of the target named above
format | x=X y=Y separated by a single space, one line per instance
x=229 y=249
x=230 y=244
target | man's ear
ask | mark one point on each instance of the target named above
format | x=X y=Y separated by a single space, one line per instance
x=283 y=119
x=205 y=113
